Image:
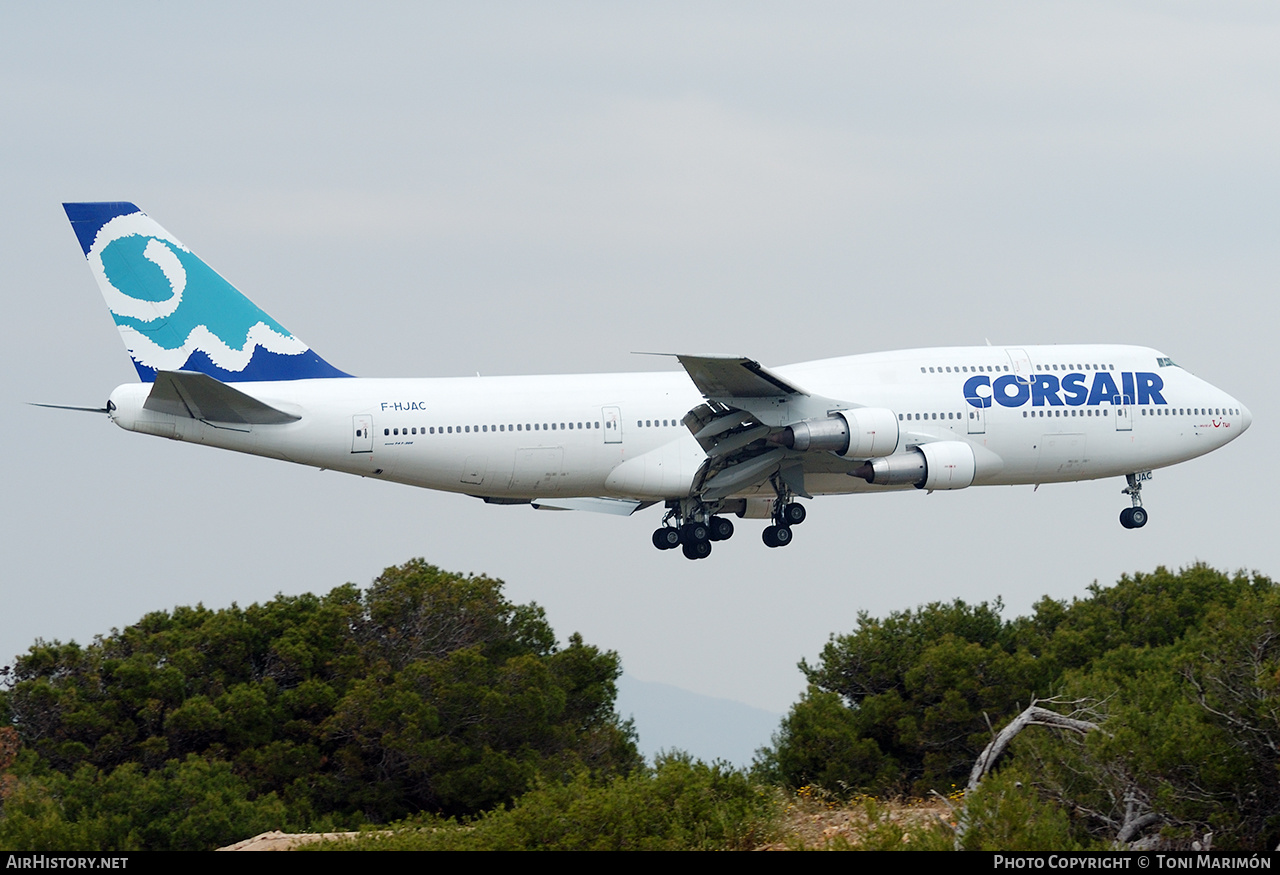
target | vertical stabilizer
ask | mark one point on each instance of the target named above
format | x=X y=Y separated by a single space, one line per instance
x=176 y=313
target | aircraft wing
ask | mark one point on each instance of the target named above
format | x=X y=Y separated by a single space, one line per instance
x=733 y=376
x=746 y=405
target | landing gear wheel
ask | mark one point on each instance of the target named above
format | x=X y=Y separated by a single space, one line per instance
x=666 y=537
x=697 y=549
x=1137 y=517
x=719 y=528
x=793 y=514
x=1126 y=518
x=693 y=533
x=776 y=536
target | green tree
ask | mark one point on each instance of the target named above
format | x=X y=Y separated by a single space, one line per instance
x=916 y=689
x=1184 y=660
x=429 y=691
x=820 y=743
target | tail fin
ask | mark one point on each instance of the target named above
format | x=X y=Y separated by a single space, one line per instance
x=174 y=312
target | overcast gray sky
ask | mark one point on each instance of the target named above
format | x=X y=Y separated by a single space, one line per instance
x=437 y=190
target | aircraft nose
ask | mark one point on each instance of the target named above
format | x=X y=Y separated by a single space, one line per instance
x=1246 y=418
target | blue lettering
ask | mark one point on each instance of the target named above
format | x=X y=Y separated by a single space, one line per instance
x=1073 y=386
x=1126 y=380
x=1044 y=390
x=971 y=387
x=1149 y=386
x=1104 y=389
x=1044 y=387
x=1021 y=391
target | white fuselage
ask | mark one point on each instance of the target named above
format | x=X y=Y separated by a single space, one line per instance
x=622 y=435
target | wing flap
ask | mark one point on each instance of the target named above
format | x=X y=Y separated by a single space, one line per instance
x=743 y=475
x=618 y=506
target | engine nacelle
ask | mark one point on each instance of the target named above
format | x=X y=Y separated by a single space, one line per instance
x=937 y=465
x=903 y=469
x=951 y=465
x=864 y=433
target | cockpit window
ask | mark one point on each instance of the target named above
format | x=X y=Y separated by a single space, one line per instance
x=1165 y=362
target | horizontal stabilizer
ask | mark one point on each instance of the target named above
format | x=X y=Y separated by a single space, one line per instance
x=618 y=506
x=199 y=396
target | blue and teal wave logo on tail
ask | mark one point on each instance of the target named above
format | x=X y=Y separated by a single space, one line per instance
x=175 y=312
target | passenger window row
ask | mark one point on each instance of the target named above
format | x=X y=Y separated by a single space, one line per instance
x=965 y=369
x=1074 y=367
x=917 y=416
x=479 y=429
x=1071 y=411
x=971 y=369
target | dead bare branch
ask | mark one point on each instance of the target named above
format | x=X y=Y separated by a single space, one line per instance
x=1034 y=715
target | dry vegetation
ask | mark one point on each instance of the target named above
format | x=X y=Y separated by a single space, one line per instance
x=812 y=821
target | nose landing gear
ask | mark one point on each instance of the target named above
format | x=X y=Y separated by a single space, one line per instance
x=1134 y=517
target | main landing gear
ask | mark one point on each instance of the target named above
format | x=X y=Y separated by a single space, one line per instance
x=693 y=526
x=1133 y=517
x=786 y=514
x=694 y=535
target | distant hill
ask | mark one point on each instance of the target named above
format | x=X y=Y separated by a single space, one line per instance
x=709 y=728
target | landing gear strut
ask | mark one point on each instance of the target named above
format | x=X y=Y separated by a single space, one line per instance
x=1134 y=517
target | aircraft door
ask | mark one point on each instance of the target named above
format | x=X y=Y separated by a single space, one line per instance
x=1021 y=364
x=1124 y=412
x=362 y=434
x=978 y=421
x=612 y=417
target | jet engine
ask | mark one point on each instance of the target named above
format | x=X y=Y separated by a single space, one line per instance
x=937 y=465
x=864 y=433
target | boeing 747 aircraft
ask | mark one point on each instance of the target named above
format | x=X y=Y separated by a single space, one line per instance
x=723 y=437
